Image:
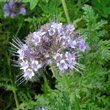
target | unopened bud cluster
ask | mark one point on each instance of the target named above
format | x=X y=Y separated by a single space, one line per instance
x=53 y=43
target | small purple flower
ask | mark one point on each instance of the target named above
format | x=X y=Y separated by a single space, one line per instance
x=28 y=74
x=51 y=31
x=6 y=6
x=6 y=9
x=36 y=38
x=11 y=4
x=7 y=13
x=21 y=54
x=49 y=61
x=36 y=65
x=62 y=65
x=70 y=58
x=58 y=57
x=24 y=47
x=47 y=55
x=59 y=26
x=81 y=45
x=22 y=10
x=70 y=27
x=42 y=108
x=11 y=8
x=61 y=31
x=24 y=65
x=72 y=44
x=66 y=41
x=22 y=51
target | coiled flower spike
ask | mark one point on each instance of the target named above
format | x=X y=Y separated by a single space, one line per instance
x=54 y=44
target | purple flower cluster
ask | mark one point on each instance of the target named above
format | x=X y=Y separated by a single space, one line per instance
x=13 y=8
x=54 y=44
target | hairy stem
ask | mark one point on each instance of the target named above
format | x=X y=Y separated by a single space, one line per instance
x=14 y=91
x=15 y=97
x=20 y=25
x=66 y=11
x=10 y=75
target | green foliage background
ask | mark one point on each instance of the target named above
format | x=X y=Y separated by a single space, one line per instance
x=72 y=91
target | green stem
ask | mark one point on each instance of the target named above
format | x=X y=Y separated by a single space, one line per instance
x=15 y=97
x=46 y=82
x=66 y=11
x=14 y=91
x=76 y=101
x=20 y=25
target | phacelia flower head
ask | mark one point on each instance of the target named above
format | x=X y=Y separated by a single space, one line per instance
x=52 y=44
x=13 y=8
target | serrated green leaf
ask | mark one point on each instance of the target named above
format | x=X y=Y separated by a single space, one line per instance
x=99 y=25
x=33 y=4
